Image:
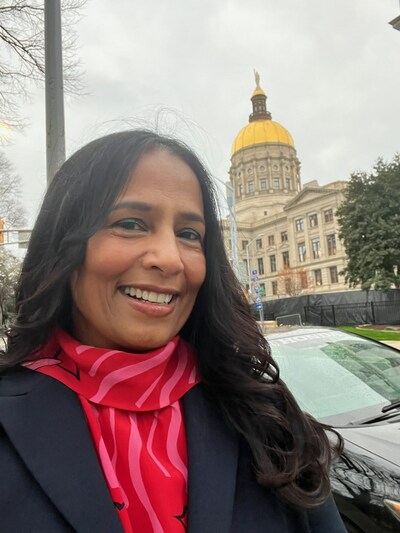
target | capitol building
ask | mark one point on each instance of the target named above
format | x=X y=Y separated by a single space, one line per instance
x=285 y=231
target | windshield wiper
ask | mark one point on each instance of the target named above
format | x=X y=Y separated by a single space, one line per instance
x=385 y=414
x=395 y=404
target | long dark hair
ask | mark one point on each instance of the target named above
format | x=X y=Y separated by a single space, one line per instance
x=291 y=452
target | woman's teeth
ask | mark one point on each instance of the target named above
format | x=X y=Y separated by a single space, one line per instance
x=148 y=296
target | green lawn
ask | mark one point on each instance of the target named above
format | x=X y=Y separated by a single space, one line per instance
x=377 y=335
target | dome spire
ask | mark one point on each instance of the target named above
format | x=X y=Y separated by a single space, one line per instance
x=259 y=101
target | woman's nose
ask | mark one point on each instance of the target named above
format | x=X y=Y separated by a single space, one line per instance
x=164 y=254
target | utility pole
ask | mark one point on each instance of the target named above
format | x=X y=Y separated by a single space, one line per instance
x=55 y=129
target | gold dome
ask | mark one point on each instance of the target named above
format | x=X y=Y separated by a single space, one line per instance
x=258 y=90
x=260 y=132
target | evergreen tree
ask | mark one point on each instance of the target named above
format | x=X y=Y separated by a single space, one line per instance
x=369 y=219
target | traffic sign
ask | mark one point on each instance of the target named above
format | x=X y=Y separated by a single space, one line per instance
x=258 y=300
x=254 y=272
x=255 y=278
x=259 y=306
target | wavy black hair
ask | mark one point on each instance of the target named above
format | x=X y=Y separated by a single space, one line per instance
x=290 y=449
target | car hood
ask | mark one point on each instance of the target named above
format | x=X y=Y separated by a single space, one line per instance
x=382 y=440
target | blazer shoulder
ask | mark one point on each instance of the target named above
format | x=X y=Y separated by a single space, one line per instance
x=19 y=380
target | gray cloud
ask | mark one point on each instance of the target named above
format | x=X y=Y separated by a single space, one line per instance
x=330 y=70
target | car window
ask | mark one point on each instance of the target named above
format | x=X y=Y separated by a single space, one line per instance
x=332 y=373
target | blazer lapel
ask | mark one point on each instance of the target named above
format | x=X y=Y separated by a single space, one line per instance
x=212 y=465
x=45 y=423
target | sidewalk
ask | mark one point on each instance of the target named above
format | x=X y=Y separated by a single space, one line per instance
x=393 y=344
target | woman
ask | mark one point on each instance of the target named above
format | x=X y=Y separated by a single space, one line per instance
x=137 y=392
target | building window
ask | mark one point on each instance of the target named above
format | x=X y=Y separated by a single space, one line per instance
x=263 y=185
x=240 y=189
x=303 y=280
x=334 y=274
x=274 y=288
x=316 y=248
x=260 y=262
x=259 y=244
x=277 y=183
x=287 y=184
x=301 y=248
x=313 y=220
x=250 y=186
x=265 y=213
x=246 y=266
x=244 y=244
x=328 y=215
x=272 y=262
x=331 y=242
x=271 y=240
x=285 y=258
x=299 y=223
x=318 y=277
x=284 y=236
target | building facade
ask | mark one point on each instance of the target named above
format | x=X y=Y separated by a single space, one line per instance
x=286 y=232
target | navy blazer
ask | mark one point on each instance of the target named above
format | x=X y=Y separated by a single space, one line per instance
x=51 y=479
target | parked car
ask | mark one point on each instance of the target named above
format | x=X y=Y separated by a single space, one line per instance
x=353 y=384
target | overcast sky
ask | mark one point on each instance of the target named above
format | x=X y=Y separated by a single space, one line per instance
x=331 y=72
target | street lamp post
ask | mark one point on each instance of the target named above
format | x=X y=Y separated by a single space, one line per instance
x=55 y=130
x=231 y=201
x=248 y=258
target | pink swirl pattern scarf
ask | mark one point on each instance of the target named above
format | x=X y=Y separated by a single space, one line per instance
x=132 y=403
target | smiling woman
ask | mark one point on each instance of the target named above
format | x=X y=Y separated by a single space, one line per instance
x=144 y=268
x=137 y=393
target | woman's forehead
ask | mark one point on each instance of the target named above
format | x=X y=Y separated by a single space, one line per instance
x=161 y=175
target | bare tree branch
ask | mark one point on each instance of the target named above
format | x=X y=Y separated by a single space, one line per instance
x=22 y=52
x=10 y=267
x=11 y=210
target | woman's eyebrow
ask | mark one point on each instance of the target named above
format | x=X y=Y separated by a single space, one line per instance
x=193 y=217
x=142 y=206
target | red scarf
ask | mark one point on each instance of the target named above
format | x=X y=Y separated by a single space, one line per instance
x=133 y=406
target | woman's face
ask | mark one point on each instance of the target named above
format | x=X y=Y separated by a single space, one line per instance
x=144 y=268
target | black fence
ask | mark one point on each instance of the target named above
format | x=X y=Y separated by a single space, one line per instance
x=377 y=313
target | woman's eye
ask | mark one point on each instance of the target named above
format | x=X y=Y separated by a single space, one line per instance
x=129 y=224
x=189 y=234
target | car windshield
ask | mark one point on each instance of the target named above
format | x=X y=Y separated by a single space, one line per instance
x=337 y=377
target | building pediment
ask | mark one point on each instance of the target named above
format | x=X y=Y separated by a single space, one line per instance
x=309 y=194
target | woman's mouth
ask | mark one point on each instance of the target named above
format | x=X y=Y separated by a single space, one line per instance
x=147 y=296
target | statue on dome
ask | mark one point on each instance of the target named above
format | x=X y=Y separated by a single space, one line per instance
x=257 y=78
